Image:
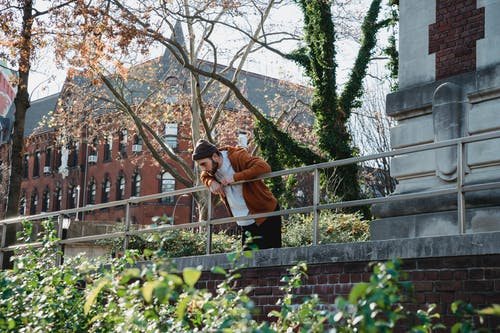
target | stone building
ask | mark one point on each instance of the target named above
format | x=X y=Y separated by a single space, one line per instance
x=449 y=87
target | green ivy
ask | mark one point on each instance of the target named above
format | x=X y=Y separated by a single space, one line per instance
x=331 y=111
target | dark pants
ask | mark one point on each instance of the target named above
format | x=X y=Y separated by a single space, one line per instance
x=264 y=236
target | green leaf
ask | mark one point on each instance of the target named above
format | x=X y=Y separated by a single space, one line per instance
x=148 y=289
x=493 y=310
x=176 y=280
x=232 y=257
x=218 y=270
x=357 y=291
x=248 y=254
x=92 y=296
x=181 y=307
x=456 y=328
x=129 y=274
x=191 y=275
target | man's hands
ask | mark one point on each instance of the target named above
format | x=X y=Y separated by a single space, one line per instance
x=218 y=187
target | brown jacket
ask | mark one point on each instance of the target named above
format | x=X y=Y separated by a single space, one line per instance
x=257 y=195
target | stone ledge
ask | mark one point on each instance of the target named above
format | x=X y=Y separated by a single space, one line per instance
x=424 y=247
x=416 y=98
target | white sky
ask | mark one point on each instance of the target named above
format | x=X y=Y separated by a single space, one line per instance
x=46 y=79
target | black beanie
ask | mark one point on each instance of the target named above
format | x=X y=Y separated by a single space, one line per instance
x=204 y=149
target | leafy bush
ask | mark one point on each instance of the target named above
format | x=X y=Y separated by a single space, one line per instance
x=297 y=231
x=122 y=296
x=177 y=243
x=39 y=296
x=333 y=227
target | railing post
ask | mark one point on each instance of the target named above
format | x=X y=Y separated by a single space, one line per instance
x=209 y=223
x=59 y=257
x=126 y=238
x=460 y=183
x=315 y=204
x=2 y=244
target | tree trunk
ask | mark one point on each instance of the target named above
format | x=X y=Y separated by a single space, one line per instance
x=22 y=103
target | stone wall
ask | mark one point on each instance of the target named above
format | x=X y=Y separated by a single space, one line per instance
x=442 y=270
x=449 y=88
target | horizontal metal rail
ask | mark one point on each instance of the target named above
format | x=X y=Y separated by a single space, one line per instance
x=459 y=189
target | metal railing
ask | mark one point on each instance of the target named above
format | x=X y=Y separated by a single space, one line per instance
x=460 y=189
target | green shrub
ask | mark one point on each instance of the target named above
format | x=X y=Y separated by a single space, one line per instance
x=125 y=296
x=177 y=243
x=39 y=296
x=297 y=231
x=333 y=227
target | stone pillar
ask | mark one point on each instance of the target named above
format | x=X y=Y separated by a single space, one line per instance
x=449 y=88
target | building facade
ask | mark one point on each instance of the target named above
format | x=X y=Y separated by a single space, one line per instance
x=116 y=164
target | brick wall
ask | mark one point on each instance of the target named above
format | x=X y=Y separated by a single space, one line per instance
x=441 y=280
x=459 y=23
x=442 y=268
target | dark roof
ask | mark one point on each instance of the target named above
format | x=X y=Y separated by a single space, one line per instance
x=38 y=109
x=255 y=86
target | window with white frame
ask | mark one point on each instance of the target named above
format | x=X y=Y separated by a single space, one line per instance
x=58 y=200
x=172 y=90
x=106 y=189
x=34 y=203
x=108 y=148
x=167 y=184
x=46 y=200
x=136 y=185
x=243 y=139
x=71 y=197
x=92 y=192
x=26 y=161
x=120 y=190
x=170 y=135
x=36 y=164
x=123 y=138
x=22 y=205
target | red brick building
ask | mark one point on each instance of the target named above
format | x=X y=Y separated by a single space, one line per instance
x=87 y=171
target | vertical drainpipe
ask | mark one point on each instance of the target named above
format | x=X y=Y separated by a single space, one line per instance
x=86 y=164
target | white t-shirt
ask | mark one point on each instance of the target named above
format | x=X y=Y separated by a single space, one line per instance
x=234 y=193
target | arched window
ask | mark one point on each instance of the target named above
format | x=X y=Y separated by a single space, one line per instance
x=71 y=203
x=137 y=144
x=170 y=135
x=48 y=158
x=46 y=200
x=137 y=139
x=106 y=189
x=22 y=205
x=93 y=148
x=26 y=161
x=120 y=188
x=167 y=184
x=92 y=192
x=34 y=203
x=73 y=148
x=123 y=141
x=136 y=185
x=173 y=90
x=36 y=165
x=108 y=148
x=58 y=199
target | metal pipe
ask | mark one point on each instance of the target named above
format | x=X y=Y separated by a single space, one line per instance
x=315 y=205
x=209 y=223
x=126 y=237
x=460 y=184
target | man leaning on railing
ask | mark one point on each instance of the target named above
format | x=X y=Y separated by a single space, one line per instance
x=220 y=169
